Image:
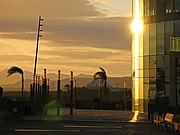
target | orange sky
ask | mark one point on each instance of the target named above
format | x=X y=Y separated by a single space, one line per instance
x=78 y=35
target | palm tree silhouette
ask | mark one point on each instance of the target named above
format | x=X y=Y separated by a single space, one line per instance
x=103 y=78
x=15 y=69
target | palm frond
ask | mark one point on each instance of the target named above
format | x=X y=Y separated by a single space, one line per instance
x=98 y=75
x=102 y=69
x=13 y=70
x=103 y=73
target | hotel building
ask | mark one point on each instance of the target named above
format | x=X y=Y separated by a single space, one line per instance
x=156 y=55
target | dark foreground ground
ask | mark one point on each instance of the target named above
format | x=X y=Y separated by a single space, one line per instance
x=83 y=122
x=78 y=128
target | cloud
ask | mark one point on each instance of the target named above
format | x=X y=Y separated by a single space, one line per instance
x=109 y=32
x=49 y=8
x=76 y=36
x=87 y=59
x=103 y=2
x=113 y=7
x=67 y=22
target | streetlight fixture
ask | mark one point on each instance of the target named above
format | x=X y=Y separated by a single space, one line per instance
x=38 y=36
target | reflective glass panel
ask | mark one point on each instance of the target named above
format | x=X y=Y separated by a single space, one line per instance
x=177 y=5
x=169 y=6
x=177 y=28
x=146 y=62
x=160 y=6
x=152 y=39
x=160 y=38
x=152 y=61
x=160 y=60
x=168 y=34
x=152 y=7
x=146 y=8
x=146 y=39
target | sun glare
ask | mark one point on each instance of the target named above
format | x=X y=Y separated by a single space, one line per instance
x=135 y=117
x=137 y=26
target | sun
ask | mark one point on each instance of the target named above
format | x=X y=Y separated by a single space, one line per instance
x=137 y=26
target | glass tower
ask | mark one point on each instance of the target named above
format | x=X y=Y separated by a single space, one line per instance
x=156 y=54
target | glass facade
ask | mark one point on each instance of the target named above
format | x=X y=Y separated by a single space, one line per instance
x=159 y=7
x=158 y=56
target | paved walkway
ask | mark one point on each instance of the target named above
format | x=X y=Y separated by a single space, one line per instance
x=91 y=115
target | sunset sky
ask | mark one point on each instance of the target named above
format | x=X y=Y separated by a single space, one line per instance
x=78 y=35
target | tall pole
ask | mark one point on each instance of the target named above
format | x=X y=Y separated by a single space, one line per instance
x=44 y=89
x=58 y=91
x=38 y=36
x=75 y=94
x=36 y=88
x=58 y=87
x=125 y=98
x=100 y=94
x=33 y=88
x=71 y=94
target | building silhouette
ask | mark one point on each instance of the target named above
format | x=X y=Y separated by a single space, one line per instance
x=156 y=56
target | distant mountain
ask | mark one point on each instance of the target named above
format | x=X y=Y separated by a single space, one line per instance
x=13 y=83
x=27 y=75
x=83 y=76
x=8 y=80
x=115 y=82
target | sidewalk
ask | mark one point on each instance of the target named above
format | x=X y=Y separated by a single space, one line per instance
x=90 y=115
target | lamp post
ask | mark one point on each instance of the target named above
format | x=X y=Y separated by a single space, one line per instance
x=125 y=98
x=75 y=91
x=35 y=61
x=58 y=92
x=38 y=36
x=71 y=94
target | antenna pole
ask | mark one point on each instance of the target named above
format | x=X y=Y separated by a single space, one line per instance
x=38 y=36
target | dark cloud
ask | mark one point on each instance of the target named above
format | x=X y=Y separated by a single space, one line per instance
x=95 y=32
x=105 y=33
x=67 y=23
x=49 y=8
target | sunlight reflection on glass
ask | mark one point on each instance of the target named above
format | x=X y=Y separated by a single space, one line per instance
x=137 y=28
x=135 y=117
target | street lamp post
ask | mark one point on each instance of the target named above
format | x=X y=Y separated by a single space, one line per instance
x=71 y=94
x=38 y=36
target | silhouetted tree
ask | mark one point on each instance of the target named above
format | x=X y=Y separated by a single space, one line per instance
x=14 y=70
x=67 y=87
x=103 y=78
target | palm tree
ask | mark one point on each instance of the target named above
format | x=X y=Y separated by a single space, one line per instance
x=67 y=87
x=101 y=75
x=15 y=69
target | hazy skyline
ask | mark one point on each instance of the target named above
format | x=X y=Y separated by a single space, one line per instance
x=78 y=35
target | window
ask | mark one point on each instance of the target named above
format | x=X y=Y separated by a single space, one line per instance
x=168 y=33
x=152 y=7
x=177 y=5
x=160 y=61
x=160 y=38
x=160 y=6
x=146 y=39
x=177 y=28
x=152 y=39
x=169 y=6
x=146 y=62
x=152 y=61
x=146 y=8
x=175 y=44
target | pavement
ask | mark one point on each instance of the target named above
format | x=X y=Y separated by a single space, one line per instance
x=91 y=115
